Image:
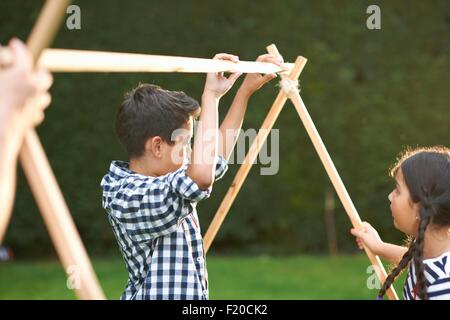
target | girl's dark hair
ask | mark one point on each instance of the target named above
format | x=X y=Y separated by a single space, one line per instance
x=426 y=172
x=149 y=111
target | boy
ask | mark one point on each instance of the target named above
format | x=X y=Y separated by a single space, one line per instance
x=151 y=201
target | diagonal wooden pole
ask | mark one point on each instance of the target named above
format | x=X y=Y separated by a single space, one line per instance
x=43 y=182
x=338 y=184
x=255 y=148
x=336 y=180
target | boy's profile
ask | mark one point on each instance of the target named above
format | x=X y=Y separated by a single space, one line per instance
x=151 y=200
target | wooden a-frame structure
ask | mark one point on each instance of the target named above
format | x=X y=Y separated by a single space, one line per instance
x=293 y=94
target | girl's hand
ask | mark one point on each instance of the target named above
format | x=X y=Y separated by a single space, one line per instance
x=369 y=237
x=254 y=81
x=216 y=83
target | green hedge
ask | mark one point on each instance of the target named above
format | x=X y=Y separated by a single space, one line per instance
x=370 y=94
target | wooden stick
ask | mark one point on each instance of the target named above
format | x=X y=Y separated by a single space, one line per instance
x=66 y=60
x=46 y=27
x=43 y=183
x=337 y=183
x=58 y=220
x=336 y=180
x=255 y=148
x=62 y=60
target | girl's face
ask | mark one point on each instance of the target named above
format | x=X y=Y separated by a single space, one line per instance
x=404 y=211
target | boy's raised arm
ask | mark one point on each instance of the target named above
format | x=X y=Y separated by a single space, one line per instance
x=231 y=125
x=204 y=153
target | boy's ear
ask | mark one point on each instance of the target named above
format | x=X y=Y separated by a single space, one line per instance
x=154 y=146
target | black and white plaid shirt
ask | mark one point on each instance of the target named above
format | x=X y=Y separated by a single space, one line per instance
x=156 y=225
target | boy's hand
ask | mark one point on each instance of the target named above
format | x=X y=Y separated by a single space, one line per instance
x=254 y=81
x=368 y=237
x=216 y=83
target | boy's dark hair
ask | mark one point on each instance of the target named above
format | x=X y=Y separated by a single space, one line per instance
x=149 y=111
x=426 y=172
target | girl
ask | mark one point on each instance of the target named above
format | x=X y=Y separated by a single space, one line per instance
x=420 y=206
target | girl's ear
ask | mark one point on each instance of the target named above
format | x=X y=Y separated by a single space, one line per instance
x=416 y=208
x=154 y=146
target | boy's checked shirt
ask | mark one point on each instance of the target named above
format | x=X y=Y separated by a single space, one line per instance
x=155 y=223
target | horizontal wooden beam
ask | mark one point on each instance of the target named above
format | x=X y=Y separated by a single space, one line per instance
x=65 y=60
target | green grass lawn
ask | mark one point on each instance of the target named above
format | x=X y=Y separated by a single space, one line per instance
x=300 y=277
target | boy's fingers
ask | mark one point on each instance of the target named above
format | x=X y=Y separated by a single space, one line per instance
x=264 y=56
x=267 y=77
x=226 y=56
x=270 y=58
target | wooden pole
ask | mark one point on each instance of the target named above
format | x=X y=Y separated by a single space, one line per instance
x=42 y=181
x=65 y=60
x=62 y=60
x=337 y=182
x=244 y=169
x=46 y=27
